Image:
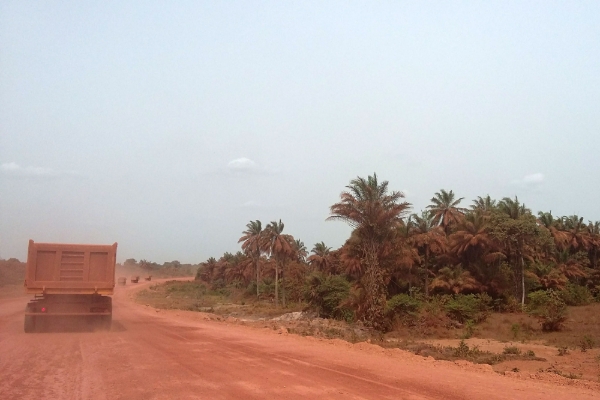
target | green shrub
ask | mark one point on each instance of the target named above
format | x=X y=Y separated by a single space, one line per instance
x=267 y=288
x=404 y=308
x=515 y=329
x=462 y=350
x=294 y=289
x=474 y=307
x=469 y=329
x=512 y=350
x=325 y=295
x=549 y=308
x=576 y=295
x=251 y=289
x=218 y=284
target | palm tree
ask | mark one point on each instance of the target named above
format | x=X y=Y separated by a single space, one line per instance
x=279 y=246
x=320 y=257
x=351 y=258
x=429 y=239
x=251 y=245
x=373 y=212
x=548 y=276
x=226 y=262
x=577 y=236
x=513 y=208
x=445 y=209
x=240 y=270
x=484 y=204
x=572 y=266
x=474 y=246
x=300 y=250
x=455 y=280
x=471 y=237
x=206 y=270
x=594 y=232
x=552 y=225
x=519 y=230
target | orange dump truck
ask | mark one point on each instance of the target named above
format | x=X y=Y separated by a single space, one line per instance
x=69 y=280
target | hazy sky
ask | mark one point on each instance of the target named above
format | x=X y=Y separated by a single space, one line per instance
x=168 y=126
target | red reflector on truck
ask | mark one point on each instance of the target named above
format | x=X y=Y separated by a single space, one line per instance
x=43 y=309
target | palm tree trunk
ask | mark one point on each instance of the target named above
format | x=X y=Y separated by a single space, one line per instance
x=520 y=287
x=276 y=284
x=282 y=285
x=375 y=289
x=427 y=273
x=257 y=278
x=522 y=265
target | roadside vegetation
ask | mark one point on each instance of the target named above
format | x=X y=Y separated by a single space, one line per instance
x=145 y=268
x=492 y=269
x=12 y=272
x=396 y=265
x=12 y=275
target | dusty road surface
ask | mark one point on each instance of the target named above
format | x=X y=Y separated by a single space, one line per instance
x=178 y=355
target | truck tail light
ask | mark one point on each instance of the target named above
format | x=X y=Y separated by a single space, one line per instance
x=44 y=309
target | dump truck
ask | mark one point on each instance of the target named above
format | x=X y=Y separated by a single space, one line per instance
x=69 y=280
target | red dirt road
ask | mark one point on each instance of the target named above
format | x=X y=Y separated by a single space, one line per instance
x=178 y=355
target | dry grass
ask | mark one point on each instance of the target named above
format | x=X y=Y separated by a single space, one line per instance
x=583 y=321
x=197 y=296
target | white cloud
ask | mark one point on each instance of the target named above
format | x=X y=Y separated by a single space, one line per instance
x=534 y=178
x=15 y=170
x=530 y=181
x=241 y=164
x=246 y=166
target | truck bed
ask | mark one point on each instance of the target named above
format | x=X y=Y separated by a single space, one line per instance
x=57 y=268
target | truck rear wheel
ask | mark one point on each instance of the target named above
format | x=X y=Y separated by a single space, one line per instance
x=29 y=324
x=106 y=322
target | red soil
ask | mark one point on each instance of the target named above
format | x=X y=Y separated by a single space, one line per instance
x=184 y=355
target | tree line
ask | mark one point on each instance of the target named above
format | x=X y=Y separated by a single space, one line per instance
x=497 y=247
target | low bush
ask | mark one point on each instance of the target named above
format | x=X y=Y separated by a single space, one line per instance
x=218 y=284
x=404 y=308
x=325 y=295
x=267 y=288
x=251 y=289
x=511 y=350
x=530 y=353
x=473 y=307
x=576 y=295
x=469 y=329
x=549 y=308
x=515 y=329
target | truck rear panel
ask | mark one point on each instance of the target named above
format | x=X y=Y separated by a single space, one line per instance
x=54 y=268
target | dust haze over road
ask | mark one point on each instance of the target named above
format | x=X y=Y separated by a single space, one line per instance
x=179 y=355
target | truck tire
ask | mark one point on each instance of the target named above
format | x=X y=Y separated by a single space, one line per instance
x=106 y=322
x=29 y=324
